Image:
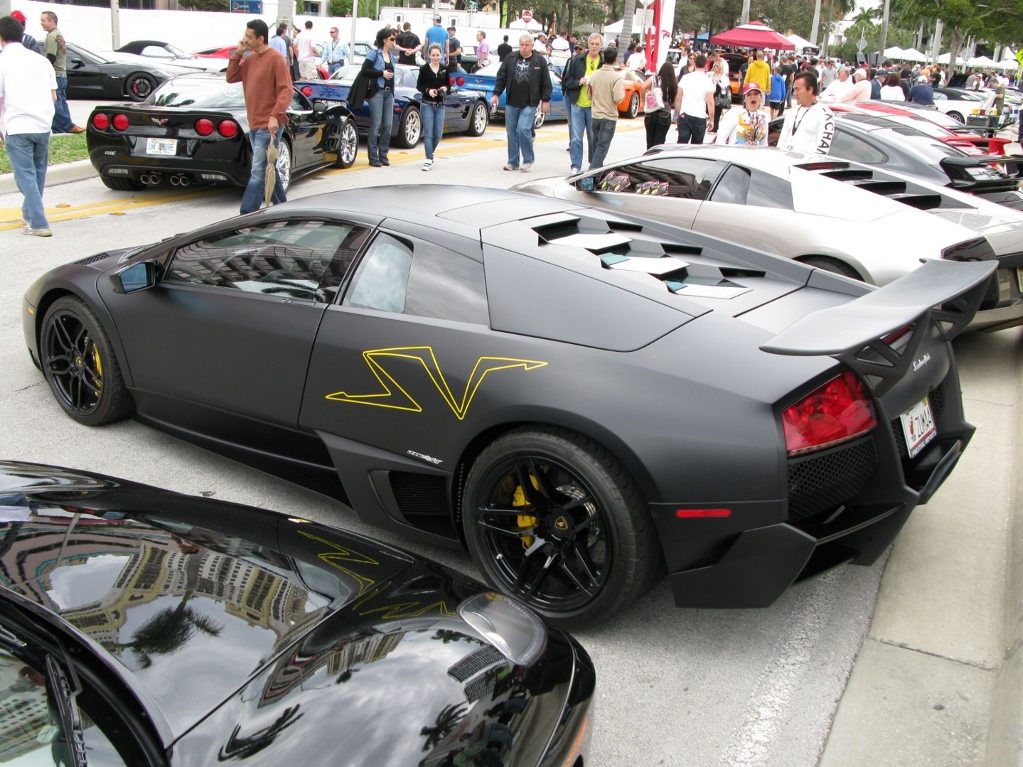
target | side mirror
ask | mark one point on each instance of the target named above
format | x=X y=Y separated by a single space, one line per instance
x=131 y=279
x=77 y=63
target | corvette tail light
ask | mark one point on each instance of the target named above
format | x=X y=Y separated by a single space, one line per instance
x=834 y=412
x=307 y=91
x=228 y=128
x=451 y=81
x=459 y=81
x=203 y=126
x=100 y=121
x=120 y=122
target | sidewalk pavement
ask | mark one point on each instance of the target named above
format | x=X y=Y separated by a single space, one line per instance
x=64 y=173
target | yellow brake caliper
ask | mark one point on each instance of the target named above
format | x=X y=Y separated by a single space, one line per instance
x=99 y=367
x=525 y=521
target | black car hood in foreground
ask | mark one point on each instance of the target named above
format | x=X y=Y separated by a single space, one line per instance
x=253 y=637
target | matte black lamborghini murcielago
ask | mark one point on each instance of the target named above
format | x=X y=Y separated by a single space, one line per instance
x=582 y=399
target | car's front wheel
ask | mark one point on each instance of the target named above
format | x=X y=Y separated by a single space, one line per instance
x=284 y=164
x=80 y=366
x=139 y=86
x=957 y=117
x=633 y=110
x=553 y=519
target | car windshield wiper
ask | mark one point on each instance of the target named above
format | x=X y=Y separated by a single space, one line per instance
x=65 y=693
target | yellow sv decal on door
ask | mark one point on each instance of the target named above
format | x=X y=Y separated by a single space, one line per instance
x=396 y=397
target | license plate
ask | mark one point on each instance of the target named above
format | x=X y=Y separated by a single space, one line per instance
x=918 y=427
x=164 y=146
x=1019 y=278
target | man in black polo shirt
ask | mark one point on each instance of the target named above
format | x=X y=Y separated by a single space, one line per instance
x=408 y=44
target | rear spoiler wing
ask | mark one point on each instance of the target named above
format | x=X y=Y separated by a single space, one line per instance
x=946 y=293
x=974 y=161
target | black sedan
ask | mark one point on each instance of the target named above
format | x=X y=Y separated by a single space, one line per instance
x=90 y=76
x=192 y=130
x=579 y=397
x=466 y=111
x=885 y=143
x=145 y=628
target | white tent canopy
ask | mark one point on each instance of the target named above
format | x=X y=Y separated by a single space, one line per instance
x=1007 y=65
x=912 y=54
x=533 y=26
x=895 y=52
x=981 y=61
x=637 y=23
x=946 y=57
x=799 y=42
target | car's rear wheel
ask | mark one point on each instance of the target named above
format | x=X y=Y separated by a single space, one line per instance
x=410 y=128
x=957 y=117
x=80 y=366
x=139 y=86
x=284 y=164
x=121 y=184
x=829 y=264
x=478 y=119
x=345 y=142
x=633 y=106
x=551 y=518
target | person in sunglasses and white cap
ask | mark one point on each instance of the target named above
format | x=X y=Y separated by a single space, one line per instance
x=747 y=125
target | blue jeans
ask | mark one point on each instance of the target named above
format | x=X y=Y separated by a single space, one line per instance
x=252 y=199
x=29 y=155
x=381 y=118
x=433 y=127
x=333 y=66
x=603 y=132
x=518 y=124
x=580 y=120
x=691 y=130
x=62 y=122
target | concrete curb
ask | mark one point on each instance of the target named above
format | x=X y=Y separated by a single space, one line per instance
x=64 y=173
x=1005 y=736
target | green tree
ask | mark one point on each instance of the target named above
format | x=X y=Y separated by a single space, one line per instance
x=205 y=5
x=339 y=7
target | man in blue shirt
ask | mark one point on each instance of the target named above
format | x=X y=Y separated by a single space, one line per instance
x=437 y=34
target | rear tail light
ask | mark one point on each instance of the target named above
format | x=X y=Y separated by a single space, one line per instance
x=834 y=412
x=459 y=81
x=120 y=122
x=100 y=121
x=228 y=128
x=307 y=91
x=204 y=127
x=451 y=81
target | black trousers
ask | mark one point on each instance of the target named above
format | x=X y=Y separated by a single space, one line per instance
x=657 y=124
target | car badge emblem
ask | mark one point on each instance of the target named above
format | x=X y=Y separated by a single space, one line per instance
x=424 y=457
x=917 y=364
x=160 y=120
x=561 y=524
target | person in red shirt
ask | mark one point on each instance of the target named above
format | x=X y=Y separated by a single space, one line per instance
x=267 y=85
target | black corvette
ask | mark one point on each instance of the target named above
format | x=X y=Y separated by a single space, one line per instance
x=145 y=628
x=580 y=398
x=90 y=76
x=192 y=130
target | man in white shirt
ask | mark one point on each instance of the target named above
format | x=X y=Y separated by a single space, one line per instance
x=861 y=89
x=306 y=53
x=694 y=102
x=840 y=87
x=810 y=127
x=637 y=60
x=28 y=90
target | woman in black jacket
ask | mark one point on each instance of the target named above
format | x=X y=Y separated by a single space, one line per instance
x=433 y=84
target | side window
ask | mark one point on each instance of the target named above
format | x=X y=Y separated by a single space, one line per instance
x=683 y=178
x=299 y=103
x=733 y=186
x=420 y=279
x=852 y=148
x=292 y=259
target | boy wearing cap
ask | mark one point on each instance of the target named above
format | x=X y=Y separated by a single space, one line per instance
x=748 y=125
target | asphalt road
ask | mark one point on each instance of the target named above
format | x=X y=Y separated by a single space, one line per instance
x=675 y=687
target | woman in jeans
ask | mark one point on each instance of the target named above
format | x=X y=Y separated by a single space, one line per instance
x=381 y=106
x=433 y=84
x=657 y=121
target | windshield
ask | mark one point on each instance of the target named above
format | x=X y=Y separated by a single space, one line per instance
x=88 y=55
x=201 y=92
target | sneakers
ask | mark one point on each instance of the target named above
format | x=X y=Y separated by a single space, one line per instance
x=509 y=166
x=573 y=170
x=526 y=166
x=37 y=232
x=428 y=165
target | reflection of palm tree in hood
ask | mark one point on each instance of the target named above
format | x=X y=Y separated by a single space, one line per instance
x=171 y=627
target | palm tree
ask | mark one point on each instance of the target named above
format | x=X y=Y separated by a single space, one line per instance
x=625 y=37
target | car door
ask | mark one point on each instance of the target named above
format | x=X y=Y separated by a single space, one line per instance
x=231 y=322
x=85 y=78
x=669 y=189
x=393 y=360
x=308 y=128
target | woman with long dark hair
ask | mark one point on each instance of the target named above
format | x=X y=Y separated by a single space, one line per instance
x=658 y=119
x=433 y=84
x=380 y=63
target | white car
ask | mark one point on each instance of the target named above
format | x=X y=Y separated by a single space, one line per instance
x=959 y=104
x=856 y=220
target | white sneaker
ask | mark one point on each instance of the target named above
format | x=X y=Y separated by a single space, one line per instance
x=428 y=165
x=526 y=166
x=573 y=170
x=37 y=232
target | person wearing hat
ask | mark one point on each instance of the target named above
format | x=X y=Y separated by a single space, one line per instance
x=27 y=41
x=922 y=93
x=437 y=35
x=748 y=125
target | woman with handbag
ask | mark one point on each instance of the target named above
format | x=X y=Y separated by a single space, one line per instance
x=379 y=65
x=722 y=93
x=659 y=93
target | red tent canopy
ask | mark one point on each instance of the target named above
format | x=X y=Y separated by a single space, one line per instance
x=755 y=34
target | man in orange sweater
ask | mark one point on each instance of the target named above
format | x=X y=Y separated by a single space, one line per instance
x=267 y=84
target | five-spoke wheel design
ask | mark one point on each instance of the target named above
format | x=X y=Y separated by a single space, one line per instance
x=552 y=519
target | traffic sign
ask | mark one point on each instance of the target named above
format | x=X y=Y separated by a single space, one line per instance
x=247 y=6
x=526 y=15
x=1019 y=56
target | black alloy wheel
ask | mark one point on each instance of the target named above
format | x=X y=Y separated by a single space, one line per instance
x=139 y=86
x=80 y=366
x=553 y=520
